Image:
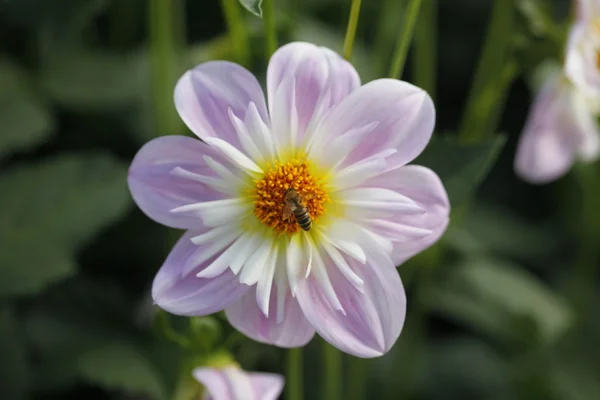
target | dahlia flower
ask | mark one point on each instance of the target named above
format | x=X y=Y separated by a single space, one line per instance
x=232 y=383
x=561 y=128
x=343 y=148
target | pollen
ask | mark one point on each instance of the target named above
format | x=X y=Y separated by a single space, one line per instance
x=269 y=191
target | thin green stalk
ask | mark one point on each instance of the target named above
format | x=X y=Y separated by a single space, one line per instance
x=495 y=98
x=425 y=50
x=332 y=387
x=405 y=38
x=357 y=378
x=164 y=324
x=164 y=40
x=493 y=59
x=351 y=30
x=237 y=30
x=582 y=285
x=270 y=26
x=388 y=13
x=294 y=375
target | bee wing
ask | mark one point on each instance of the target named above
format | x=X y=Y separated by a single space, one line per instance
x=287 y=210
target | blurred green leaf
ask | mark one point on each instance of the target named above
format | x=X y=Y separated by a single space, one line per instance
x=60 y=13
x=49 y=210
x=14 y=368
x=464 y=368
x=575 y=362
x=254 y=6
x=122 y=366
x=510 y=236
x=24 y=117
x=502 y=299
x=68 y=325
x=77 y=315
x=94 y=80
x=461 y=167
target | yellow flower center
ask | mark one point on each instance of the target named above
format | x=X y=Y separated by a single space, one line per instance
x=270 y=200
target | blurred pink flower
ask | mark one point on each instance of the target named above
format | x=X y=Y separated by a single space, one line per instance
x=344 y=148
x=582 y=62
x=232 y=383
x=561 y=128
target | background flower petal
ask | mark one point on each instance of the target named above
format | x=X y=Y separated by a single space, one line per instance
x=401 y=115
x=204 y=95
x=581 y=62
x=230 y=383
x=548 y=145
x=185 y=294
x=373 y=319
x=267 y=386
x=292 y=331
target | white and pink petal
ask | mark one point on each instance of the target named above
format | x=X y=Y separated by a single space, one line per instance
x=403 y=113
x=232 y=383
x=170 y=172
x=303 y=82
x=177 y=290
x=371 y=320
x=205 y=95
x=287 y=328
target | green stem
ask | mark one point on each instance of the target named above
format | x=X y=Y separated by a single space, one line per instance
x=332 y=387
x=164 y=38
x=351 y=30
x=237 y=30
x=425 y=50
x=494 y=98
x=405 y=38
x=493 y=59
x=388 y=10
x=270 y=26
x=164 y=324
x=357 y=378
x=588 y=257
x=294 y=375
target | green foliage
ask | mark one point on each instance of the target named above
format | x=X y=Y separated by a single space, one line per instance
x=26 y=120
x=511 y=236
x=465 y=369
x=461 y=167
x=14 y=368
x=89 y=327
x=122 y=366
x=503 y=300
x=49 y=210
x=254 y=6
x=81 y=79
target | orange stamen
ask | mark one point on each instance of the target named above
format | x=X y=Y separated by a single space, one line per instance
x=270 y=189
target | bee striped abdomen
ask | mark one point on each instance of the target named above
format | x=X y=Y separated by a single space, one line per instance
x=303 y=218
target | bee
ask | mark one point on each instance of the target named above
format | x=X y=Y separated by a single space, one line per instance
x=294 y=204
